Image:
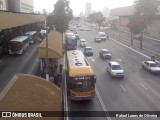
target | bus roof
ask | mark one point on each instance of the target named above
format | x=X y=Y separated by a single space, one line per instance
x=77 y=64
x=19 y=38
x=31 y=32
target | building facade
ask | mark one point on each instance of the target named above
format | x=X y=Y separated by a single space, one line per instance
x=3 y=4
x=88 y=9
x=124 y=14
x=106 y=12
x=25 y=6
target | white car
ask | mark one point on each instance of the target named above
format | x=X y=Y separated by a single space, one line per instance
x=151 y=66
x=83 y=43
x=115 y=69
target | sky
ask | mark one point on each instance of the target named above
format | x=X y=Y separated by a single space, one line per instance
x=79 y=5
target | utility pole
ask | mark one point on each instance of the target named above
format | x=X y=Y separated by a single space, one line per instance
x=47 y=66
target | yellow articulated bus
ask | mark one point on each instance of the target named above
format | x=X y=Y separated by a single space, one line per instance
x=80 y=76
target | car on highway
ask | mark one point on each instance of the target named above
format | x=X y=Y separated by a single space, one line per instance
x=97 y=39
x=81 y=29
x=115 y=69
x=83 y=43
x=100 y=37
x=151 y=66
x=88 y=51
x=104 y=54
x=88 y=29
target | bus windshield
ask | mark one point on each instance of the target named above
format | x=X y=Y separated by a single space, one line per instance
x=83 y=85
x=15 y=46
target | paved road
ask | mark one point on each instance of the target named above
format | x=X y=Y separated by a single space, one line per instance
x=13 y=64
x=138 y=91
x=149 y=44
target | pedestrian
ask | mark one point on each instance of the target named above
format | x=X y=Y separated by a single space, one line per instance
x=60 y=68
x=153 y=58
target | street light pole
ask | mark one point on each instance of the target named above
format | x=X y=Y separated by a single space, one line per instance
x=47 y=67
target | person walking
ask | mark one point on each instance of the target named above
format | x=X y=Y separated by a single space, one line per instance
x=60 y=68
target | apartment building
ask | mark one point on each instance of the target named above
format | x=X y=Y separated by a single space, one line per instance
x=25 y=6
x=3 y=4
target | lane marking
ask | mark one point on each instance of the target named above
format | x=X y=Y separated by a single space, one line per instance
x=122 y=57
x=92 y=59
x=142 y=85
x=123 y=87
x=102 y=104
x=119 y=59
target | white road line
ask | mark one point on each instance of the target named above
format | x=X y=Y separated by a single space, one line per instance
x=123 y=87
x=142 y=85
x=103 y=105
x=122 y=57
x=119 y=59
x=92 y=59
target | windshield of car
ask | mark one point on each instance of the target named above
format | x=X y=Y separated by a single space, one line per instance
x=116 y=67
x=83 y=41
x=153 y=65
x=105 y=52
x=89 y=49
x=103 y=35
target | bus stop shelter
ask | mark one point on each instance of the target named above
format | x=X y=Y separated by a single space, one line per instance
x=10 y=20
x=31 y=93
x=55 y=53
x=55 y=47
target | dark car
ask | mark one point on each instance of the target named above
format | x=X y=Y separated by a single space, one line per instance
x=105 y=54
x=88 y=51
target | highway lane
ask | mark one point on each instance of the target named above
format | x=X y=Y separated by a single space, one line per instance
x=137 y=91
x=135 y=74
x=149 y=44
x=13 y=64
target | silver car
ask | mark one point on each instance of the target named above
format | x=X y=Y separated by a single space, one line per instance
x=83 y=43
x=151 y=66
x=115 y=69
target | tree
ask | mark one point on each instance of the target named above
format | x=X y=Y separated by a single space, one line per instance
x=146 y=11
x=96 y=17
x=62 y=15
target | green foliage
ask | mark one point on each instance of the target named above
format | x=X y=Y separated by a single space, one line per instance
x=146 y=11
x=96 y=17
x=50 y=20
x=62 y=15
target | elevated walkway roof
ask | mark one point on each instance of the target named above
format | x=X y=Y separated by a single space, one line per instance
x=30 y=93
x=55 y=47
x=9 y=19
